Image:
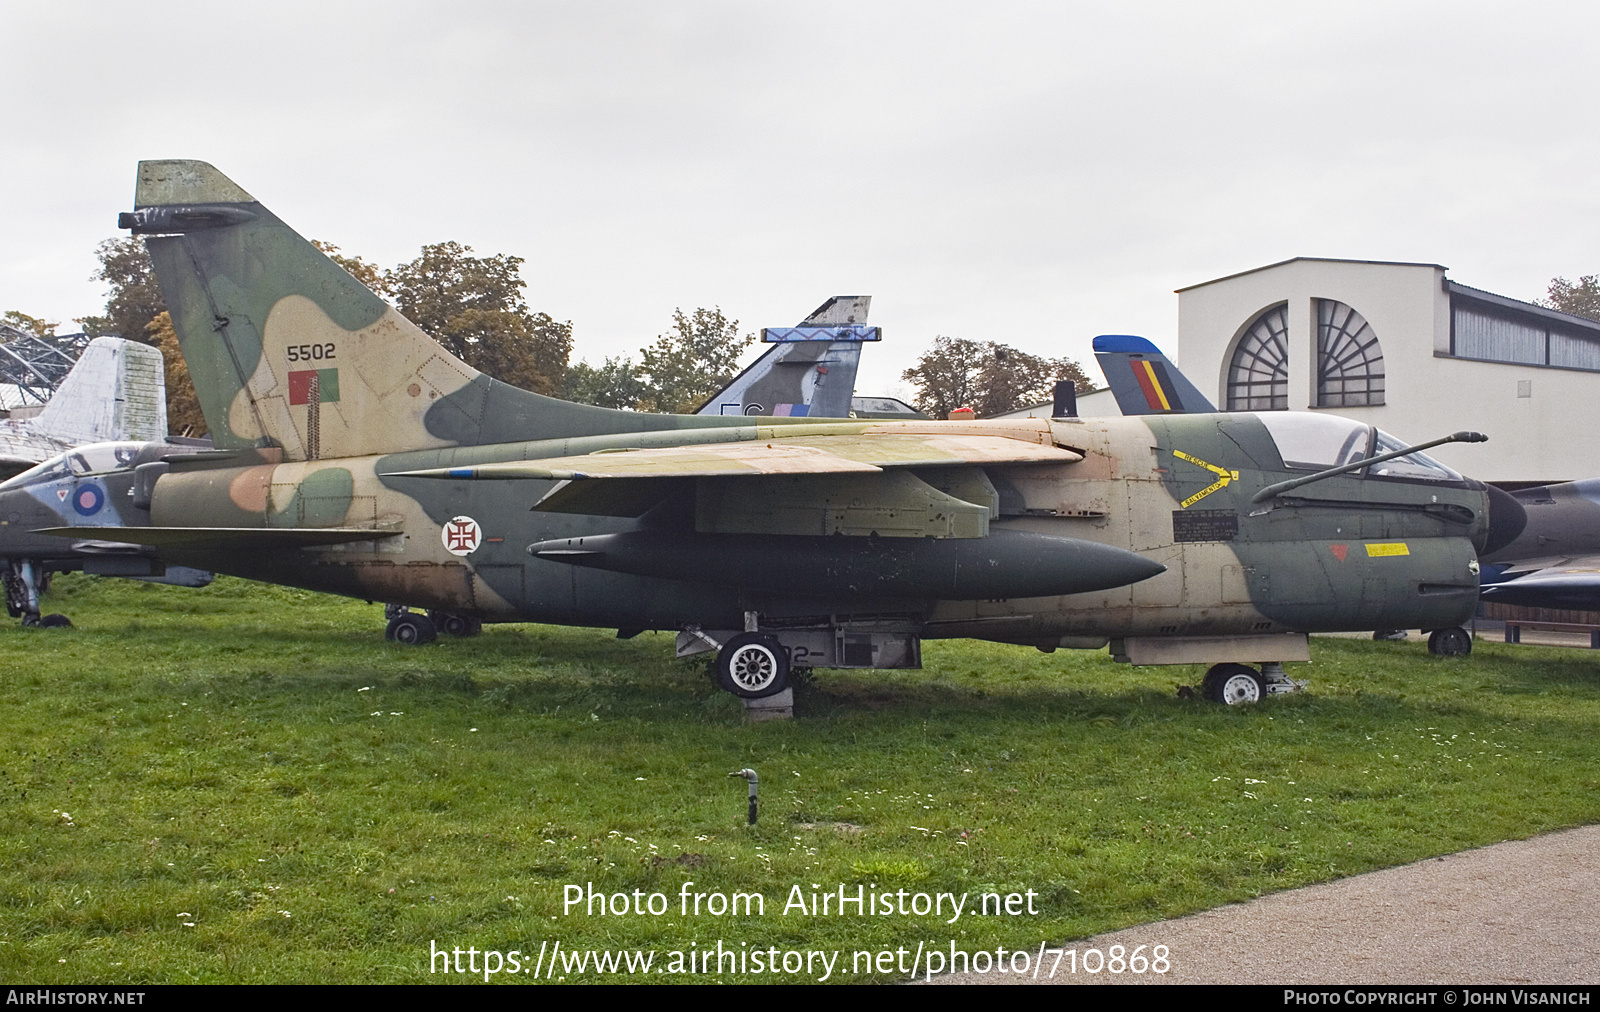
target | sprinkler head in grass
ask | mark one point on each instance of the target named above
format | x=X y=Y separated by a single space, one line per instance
x=750 y=775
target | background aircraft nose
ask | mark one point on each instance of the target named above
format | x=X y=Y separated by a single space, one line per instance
x=1507 y=518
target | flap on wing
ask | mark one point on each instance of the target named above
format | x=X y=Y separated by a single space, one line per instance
x=617 y=497
x=211 y=537
x=807 y=454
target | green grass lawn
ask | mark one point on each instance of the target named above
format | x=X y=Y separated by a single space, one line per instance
x=247 y=783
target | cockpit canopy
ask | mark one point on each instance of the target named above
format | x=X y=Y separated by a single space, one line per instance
x=1313 y=442
x=96 y=458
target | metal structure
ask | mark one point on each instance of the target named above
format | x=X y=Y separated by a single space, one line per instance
x=36 y=365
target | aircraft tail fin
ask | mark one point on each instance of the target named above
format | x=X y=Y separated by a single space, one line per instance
x=287 y=349
x=809 y=371
x=1143 y=381
x=117 y=390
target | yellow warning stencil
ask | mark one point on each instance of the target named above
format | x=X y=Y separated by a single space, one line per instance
x=1398 y=548
x=1224 y=476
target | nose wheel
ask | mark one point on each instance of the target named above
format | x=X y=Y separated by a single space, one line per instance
x=1453 y=642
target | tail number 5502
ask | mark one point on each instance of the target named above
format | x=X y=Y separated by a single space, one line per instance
x=311 y=352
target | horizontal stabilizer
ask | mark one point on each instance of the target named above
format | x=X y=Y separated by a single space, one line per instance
x=213 y=537
x=825 y=454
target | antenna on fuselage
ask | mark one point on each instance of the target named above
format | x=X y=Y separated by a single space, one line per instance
x=1294 y=483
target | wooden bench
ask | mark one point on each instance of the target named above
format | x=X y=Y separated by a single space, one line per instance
x=1514 y=629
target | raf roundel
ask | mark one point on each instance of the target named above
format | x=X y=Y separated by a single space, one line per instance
x=461 y=536
x=88 y=499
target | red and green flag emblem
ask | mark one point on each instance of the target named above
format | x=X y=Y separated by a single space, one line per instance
x=327 y=386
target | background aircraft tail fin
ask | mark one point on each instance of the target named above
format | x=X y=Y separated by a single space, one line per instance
x=117 y=390
x=287 y=349
x=810 y=370
x=1143 y=381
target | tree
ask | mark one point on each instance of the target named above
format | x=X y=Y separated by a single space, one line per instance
x=989 y=377
x=368 y=274
x=29 y=324
x=692 y=361
x=527 y=350
x=615 y=384
x=1580 y=298
x=134 y=299
x=474 y=307
x=184 y=416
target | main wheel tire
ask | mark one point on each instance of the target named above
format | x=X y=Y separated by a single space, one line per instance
x=1233 y=683
x=55 y=622
x=412 y=629
x=1452 y=642
x=753 y=666
x=451 y=624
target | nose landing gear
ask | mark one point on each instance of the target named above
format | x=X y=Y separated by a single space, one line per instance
x=24 y=584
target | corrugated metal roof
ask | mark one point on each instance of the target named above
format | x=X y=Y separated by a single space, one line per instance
x=1526 y=308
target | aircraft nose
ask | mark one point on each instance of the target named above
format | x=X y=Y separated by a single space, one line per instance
x=1507 y=518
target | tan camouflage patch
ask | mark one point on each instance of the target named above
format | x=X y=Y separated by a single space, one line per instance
x=366 y=377
x=248 y=490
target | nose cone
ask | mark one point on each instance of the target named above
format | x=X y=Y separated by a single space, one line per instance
x=1507 y=518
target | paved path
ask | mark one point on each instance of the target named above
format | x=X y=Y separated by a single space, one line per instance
x=1527 y=911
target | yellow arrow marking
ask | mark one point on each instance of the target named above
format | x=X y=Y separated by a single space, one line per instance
x=1224 y=476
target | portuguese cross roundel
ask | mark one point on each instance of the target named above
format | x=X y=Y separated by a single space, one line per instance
x=461 y=536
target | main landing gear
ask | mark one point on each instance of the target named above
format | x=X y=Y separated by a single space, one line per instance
x=1232 y=684
x=753 y=665
x=24 y=583
x=415 y=628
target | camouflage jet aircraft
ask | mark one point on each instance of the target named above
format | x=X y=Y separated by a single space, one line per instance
x=99 y=485
x=356 y=456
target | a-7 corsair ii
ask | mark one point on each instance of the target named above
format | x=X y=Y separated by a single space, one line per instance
x=367 y=461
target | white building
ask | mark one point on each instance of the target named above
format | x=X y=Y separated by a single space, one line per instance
x=1405 y=348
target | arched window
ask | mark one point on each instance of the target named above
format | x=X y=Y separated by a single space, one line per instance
x=1258 y=376
x=1349 y=361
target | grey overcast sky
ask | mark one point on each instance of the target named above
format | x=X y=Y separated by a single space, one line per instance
x=1031 y=173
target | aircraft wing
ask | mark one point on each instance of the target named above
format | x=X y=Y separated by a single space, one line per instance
x=813 y=454
x=1571 y=583
x=206 y=537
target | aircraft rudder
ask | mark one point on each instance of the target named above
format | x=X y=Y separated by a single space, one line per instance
x=284 y=346
x=1143 y=380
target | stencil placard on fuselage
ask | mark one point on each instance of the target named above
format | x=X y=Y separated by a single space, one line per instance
x=1205 y=525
